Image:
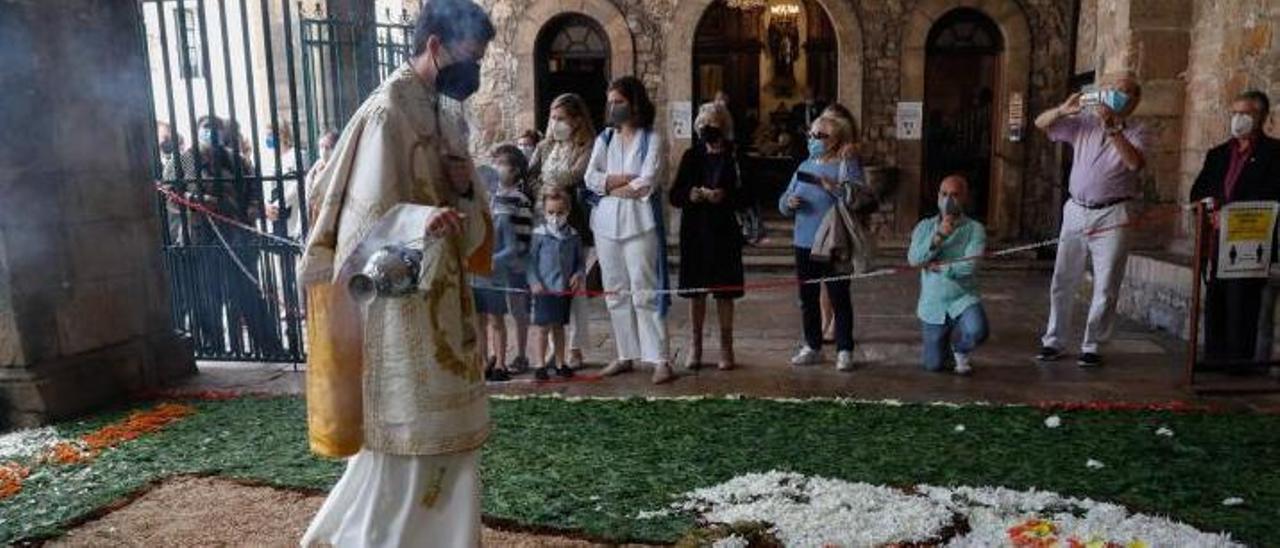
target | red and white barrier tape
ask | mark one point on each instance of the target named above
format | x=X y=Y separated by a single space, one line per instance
x=761 y=285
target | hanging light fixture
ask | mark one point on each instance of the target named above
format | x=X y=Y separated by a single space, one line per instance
x=785 y=10
x=747 y=4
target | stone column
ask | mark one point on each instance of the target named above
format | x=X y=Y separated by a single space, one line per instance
x=1152 y=39
x=84 y=306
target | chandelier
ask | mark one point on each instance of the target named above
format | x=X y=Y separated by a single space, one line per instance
x=785 y=9
x=747 y=4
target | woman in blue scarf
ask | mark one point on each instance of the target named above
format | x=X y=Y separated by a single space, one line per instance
x=629 y=230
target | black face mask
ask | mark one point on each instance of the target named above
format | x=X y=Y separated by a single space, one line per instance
x=619 y=114
x=458 y=80
x=711 y=134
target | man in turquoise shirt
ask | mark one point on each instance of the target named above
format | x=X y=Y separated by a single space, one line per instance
x=950 y=309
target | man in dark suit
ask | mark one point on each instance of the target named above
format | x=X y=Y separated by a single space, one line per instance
x=1245 y=168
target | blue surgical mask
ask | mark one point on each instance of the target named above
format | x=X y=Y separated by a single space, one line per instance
x=817 y=148
x=948 y=205
x=208 y=136
x=271 y=142
x=1115 y=100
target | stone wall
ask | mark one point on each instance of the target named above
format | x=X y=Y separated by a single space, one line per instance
x=1233 y=48
x=84 y=308
x=502 y=105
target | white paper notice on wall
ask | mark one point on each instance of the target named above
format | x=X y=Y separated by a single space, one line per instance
x=1244 y=242
x=910 y=118
x=682 y=119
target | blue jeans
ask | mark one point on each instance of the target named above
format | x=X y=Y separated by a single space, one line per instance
x=962 y=334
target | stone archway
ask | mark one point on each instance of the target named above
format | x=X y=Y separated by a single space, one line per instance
x=1015 y=75
x=606 y=14
x=678 y=70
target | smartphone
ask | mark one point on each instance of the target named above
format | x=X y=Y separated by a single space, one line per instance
x=806 y=177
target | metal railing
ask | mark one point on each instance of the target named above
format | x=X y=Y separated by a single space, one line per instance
x=228 y=65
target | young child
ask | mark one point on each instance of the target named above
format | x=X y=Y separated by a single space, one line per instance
x=512 y=223
x=555 y=266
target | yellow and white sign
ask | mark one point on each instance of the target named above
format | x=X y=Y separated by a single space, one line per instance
x=1245 y=239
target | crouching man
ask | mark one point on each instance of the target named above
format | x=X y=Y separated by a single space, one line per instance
x=946 y=248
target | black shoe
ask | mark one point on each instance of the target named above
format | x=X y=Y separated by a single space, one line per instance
x=564 y=372
x=541 y=374
x=1089 y=359
x=518 y=365
x=497 y=375
x=1048 y=354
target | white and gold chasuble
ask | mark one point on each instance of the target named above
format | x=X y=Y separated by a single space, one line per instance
x=400 y=375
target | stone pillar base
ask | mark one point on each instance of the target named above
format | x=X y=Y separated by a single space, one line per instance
x=59 y=389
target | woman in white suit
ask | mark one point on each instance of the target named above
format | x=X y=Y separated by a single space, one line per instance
x=630 y=234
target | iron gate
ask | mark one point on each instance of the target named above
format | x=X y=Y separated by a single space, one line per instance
x=233 y=204
x=344 y=60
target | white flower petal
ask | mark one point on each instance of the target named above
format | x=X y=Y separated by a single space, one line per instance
x=1053 y=421
x=1232 y=501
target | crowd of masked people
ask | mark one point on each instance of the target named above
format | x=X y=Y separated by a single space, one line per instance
x=579 y=212
x=228 y=302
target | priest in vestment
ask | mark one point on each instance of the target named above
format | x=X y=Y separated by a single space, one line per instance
x=395 y=383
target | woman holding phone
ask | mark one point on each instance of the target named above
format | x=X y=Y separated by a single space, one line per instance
x=816 y=188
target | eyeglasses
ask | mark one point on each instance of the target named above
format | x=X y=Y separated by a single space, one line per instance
x=818 y=135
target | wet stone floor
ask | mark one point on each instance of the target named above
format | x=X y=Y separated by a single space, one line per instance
x=1141 y=366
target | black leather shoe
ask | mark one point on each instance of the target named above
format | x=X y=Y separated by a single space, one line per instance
x=1048 y=354
x=1089 y=359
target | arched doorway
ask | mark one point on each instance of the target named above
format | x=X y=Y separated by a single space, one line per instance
x=962 y=70
x=777 y=62
x=1012 y=83
x=846 y=55
x=572 y=54
x=770 y=60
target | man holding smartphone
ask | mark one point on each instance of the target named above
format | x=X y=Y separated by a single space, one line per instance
x=1108 y=152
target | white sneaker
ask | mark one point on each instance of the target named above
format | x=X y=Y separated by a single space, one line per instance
x=963 y=367
x=844 y=360
x=807 y=356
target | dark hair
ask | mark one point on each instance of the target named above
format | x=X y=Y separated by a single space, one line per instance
x=512 y=154
x=531 y=134
x=632 y=89
x=213 y=121
x=452 y=21
x=1259 y=97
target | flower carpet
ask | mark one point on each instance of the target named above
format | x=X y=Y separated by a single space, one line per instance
x=808 y=472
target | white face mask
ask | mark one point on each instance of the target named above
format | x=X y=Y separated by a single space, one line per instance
x=561 y=130
x=557 y=220
x=526 y=150
x=1241 y=124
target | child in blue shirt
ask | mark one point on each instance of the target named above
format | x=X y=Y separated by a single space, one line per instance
x=498 y=296
x=555 y=269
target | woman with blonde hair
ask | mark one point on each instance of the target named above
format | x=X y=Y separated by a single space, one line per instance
x=560 y=163
x=852 y=176
x=708 y=192
x=818 y=185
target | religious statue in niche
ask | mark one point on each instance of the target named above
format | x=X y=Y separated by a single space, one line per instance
x=784 y=47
